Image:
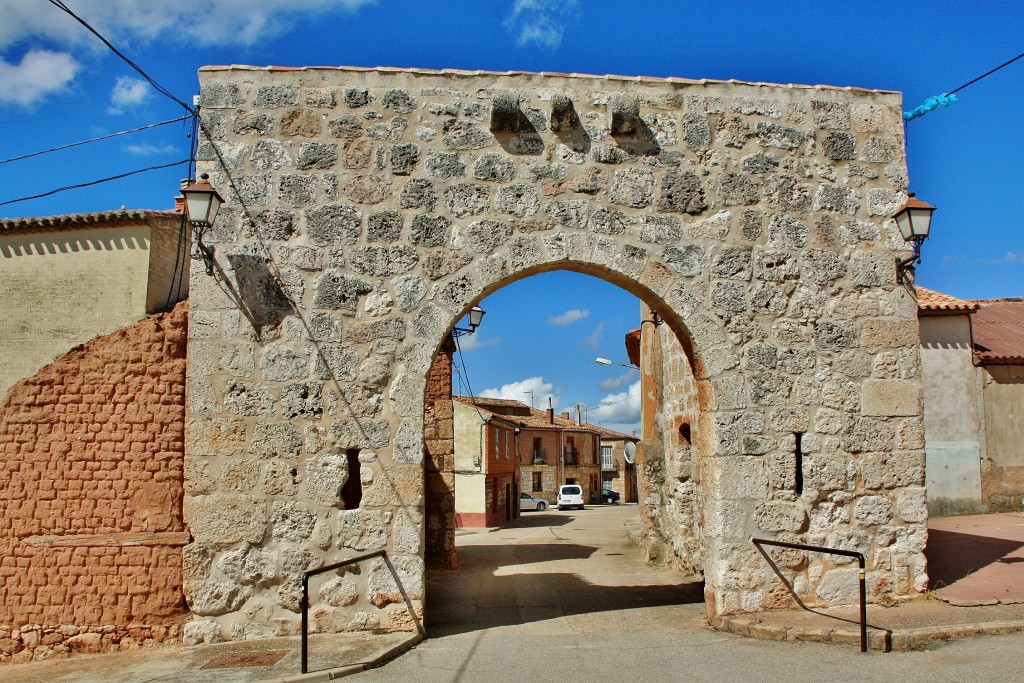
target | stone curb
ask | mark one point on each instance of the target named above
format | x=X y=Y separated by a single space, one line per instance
x=879 y=640
x=342 y=671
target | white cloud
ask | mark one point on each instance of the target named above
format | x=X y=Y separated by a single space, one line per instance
x=613 y=383
x=128 y=92
x=569 y=317
x=1011 y=257
x=147 y=150
x=621 y=408
x=539 y=21
x=213 y=22
x=592 y=340
x=472 y=342
x=40 y=73
x=520 y=391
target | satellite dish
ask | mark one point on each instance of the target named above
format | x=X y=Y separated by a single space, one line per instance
x=630 y=450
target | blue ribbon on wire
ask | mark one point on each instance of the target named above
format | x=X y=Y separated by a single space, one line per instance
x=931 y=104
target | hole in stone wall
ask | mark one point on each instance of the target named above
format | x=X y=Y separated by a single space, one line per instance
x=684 y=433
x=352 y=491
x=798 y=452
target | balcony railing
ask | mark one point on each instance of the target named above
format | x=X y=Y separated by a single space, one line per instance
x=609 y=465
x=572 y=457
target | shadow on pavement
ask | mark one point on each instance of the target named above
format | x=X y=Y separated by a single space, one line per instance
x=479 y=596
x=952 y=555
x=535 y=519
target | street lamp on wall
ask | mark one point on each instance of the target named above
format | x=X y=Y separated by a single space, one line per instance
x=914 y=221
x=202 y=203
x=476 y=314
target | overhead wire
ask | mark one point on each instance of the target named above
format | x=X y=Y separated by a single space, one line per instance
x=177 y=261
x=179 y=274
x=986 y=74
x=948 y=98
x=95 y=182
x=59 y=4
x=86 y=142
x=159 y=88
x=465 y=375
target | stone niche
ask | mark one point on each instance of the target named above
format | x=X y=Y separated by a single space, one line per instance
x=368 y=209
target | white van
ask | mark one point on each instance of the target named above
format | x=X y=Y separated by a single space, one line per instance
x=570 y=496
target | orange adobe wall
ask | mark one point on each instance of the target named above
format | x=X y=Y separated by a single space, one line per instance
x=91 y=484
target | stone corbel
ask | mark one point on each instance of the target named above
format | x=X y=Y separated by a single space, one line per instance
x=506 y=116
x=623 y=115
x=563 y=114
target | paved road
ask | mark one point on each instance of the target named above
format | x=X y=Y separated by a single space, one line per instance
x=562 y=597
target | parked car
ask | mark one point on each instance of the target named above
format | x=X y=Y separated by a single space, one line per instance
x=570 y=496
x=610 y=496
x=528 y=502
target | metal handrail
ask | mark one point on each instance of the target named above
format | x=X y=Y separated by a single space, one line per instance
x=338 y=565
x=758 y=542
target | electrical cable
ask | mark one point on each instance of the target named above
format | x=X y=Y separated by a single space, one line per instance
x=469 y=387
x=948 y=98
x=94 y=182
x=85 y=142
x=177 y=260
x=59 y=4
x=986 y=74
x=183 y=225
x=159 y=88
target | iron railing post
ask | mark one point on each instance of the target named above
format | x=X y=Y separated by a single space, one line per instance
x=862 y=572
x=305 y=622
x=338 y=565
x=863 y=606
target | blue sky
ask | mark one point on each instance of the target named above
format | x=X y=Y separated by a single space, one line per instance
x=60 y=85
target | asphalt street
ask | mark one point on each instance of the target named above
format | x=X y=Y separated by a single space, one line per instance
x=562 y=596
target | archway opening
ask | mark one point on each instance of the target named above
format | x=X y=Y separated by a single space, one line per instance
x=520 y=409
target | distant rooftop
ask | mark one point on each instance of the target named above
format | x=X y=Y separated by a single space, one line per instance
x=523 y=415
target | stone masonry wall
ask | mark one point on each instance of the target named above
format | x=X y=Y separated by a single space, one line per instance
x=368 y=209
x=91 y=476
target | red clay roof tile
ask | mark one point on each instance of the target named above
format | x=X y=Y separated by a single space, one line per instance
x=999 y=331
x=930 y=300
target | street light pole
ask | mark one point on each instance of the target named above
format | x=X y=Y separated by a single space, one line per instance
x=605 y=361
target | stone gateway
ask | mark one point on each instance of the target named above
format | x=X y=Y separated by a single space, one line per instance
x=368 y=209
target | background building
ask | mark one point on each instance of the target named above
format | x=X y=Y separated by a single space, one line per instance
x=486 y=485
x=550 y=449
x=972 y=366
x=67 y=279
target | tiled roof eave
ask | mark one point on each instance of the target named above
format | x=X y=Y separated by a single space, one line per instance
x=930 y=301
x=990 y=359
x=83 y=220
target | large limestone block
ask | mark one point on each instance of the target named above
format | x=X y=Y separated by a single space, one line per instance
x=226 y=518
x=890 y=397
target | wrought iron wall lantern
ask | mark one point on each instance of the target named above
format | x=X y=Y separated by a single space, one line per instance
x=476 y=314
x=202 y=203
x=914 y=221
